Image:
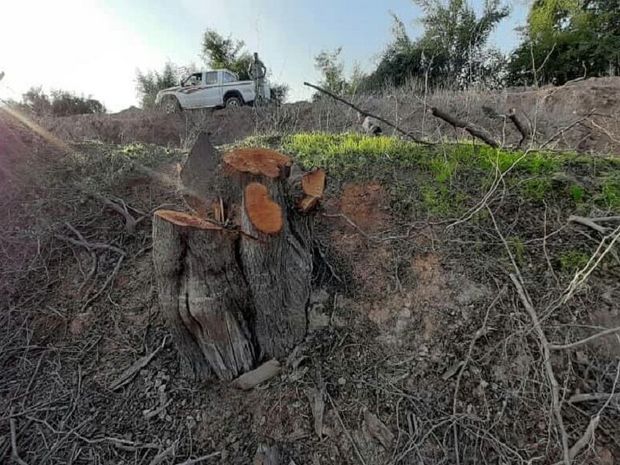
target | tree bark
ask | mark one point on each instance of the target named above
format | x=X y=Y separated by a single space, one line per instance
x=234 y=289
x=203 y=296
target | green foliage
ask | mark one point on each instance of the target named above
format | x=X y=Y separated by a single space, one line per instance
x=225 y=52
x=565 y=39
x=279 y=93
x=452 y=48
x=150 y=83
x=610 y=193
x=573 y=260
x=536 y=189
x=59 y=103
x=577 y=193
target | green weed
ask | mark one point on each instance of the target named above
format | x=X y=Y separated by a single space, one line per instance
x=573 y=260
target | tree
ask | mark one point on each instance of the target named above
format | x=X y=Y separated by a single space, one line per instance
x=567 y=39
x=59 y=103
x=453 y=46
x=225 y=52
x=148 y=84
x=333 y=78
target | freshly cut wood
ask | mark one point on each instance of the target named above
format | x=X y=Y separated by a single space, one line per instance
x=253 y=378
x=202 y=295
x=313 y=183
x=313 y=186
x=263 y=212
x=259 y=162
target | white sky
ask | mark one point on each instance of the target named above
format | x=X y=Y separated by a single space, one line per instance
x=71 y=45
x=94 y=47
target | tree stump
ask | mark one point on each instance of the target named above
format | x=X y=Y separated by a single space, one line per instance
x=234 y=280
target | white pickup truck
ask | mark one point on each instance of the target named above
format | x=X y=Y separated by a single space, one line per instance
x=208 y=89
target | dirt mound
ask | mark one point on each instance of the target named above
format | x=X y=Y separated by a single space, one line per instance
x=590 y=109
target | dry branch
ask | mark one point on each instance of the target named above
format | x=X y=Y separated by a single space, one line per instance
x=470 y=128
x=127 y=374
x=589 y=222
x=366 y=113
x=546 y=353
x=523 y=130
x=586 y=340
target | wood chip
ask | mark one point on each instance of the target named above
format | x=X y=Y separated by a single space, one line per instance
x=259 y=375
x=317 y=404
x=127 y=375
x=378 y=430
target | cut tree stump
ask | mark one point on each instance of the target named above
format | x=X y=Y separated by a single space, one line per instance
x=234 y=281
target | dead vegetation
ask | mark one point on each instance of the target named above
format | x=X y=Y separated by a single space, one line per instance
x=464 y=309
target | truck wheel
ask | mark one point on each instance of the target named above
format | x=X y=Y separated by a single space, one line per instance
x=233 y=102
x=170 y=105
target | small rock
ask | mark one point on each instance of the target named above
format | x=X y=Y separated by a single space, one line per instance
x=342 y=381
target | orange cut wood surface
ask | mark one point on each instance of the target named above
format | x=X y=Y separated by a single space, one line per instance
x=307 y=203
x=185 y=219
x=313 y=183
x=258 y=161
x=263 y=212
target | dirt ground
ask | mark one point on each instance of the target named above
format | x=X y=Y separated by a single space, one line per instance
x=419 y=348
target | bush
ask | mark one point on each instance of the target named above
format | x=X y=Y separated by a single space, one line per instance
x=59 y=103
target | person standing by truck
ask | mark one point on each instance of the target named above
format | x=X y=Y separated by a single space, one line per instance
x=257 y=72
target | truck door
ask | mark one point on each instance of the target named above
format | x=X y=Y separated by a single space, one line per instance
x=212 y=93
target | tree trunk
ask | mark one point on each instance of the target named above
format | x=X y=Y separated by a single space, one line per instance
x=234 y=282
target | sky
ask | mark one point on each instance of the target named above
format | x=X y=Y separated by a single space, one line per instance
x=95 y=47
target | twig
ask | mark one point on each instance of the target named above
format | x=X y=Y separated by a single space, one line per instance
x=564 y=129
x=130 y=372
x=584 y=341
x=200 y=459
x=365 y=113
x=556 y=405
x=577 y=398
x=546 y=353
x=589 y=222
x=346 y=431
x=163 y=455
x=14 y=451
x=105 y=284
x=470 y=128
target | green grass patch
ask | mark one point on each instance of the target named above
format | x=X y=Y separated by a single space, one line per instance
x=573 y=260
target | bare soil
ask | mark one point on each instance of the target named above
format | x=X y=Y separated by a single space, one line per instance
x=410 y=320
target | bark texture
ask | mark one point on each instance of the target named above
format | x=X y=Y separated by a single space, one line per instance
x=234 y=282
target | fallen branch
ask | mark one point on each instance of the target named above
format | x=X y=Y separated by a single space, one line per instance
x=365 y=113
x=200 y=459
x=14 y=451
x=130 y=372
x=589 y=222
x=473 y=130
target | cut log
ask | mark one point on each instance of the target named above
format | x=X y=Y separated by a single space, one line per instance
x=235 y=290
x=202 y=294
